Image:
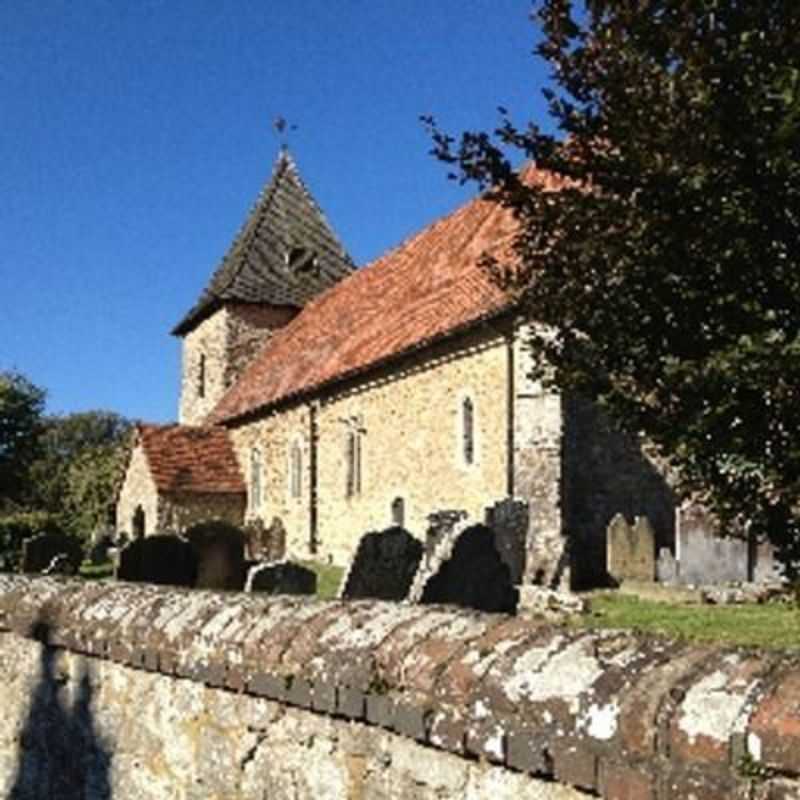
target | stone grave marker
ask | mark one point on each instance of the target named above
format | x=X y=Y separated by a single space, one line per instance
x=39 y=551
x=630 y=550
x=473 y=575
x=509 y=521
x=161 y=558
x=219 y=549
x=383 y=566
x=284 y=577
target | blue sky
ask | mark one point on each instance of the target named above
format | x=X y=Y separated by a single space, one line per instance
x=136 y=135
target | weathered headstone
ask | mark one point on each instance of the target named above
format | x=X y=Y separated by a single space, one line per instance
x=666 y=567
x=509 y=520
x=441 y=526
x=383 y=566
x=219 y=549
x=160 y=558
x=474 y=575
x=39 y=551
x=630 y=550
x=705 y=556
x=283 y=577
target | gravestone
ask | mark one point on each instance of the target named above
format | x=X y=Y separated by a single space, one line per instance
x=281 y=578
x=509 y=520
x=705 y=557
x=666 y=567
x=473 y=576
x=160 y=558
x=630 y=550
x=39 y=551
x=219 y=549
x=441 y=527
x=383 y=566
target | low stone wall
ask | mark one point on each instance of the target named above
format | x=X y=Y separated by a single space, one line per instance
x=132 y=691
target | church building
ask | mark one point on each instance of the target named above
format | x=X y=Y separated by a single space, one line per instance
x=333 y=401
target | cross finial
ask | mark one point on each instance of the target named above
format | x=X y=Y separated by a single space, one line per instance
x=282 y=128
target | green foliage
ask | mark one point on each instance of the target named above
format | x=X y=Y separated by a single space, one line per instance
x=81 y=462
x=665 y=271
x=771 y=625
x=17 y=526
x=21 y=406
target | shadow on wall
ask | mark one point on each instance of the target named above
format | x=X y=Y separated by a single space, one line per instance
x=61 y=755
x=606 y=473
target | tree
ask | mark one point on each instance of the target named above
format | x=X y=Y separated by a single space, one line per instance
x=79 y=468
x=21 y=407
x=664 y=271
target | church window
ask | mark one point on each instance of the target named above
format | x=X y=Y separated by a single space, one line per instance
x=468 y=430
x=201 y=376
x=296 y=470
x=353 y=463
x=255 y=478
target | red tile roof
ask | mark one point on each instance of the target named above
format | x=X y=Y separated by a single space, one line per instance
x=429 y=286
x=184 y=458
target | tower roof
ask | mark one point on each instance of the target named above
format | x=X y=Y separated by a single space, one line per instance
x=285 y=254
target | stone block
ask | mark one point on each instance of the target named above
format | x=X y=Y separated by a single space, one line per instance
x=272 y=687
x=351 y=703
x=526 y=751
x=380 y=710
x=324 y=697
x=623 y=782
x=411 y=721
x=774 y=730
x=298 y=693
x=575 y=764
x=383 y=566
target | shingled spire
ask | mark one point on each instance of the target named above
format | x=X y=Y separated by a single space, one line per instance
x=285 y=254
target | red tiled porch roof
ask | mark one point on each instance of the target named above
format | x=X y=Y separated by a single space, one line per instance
x=184 y=458
x=429 y=286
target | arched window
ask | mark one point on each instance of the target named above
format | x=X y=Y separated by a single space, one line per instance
x=201 y=376
x=255 y=478
x=138 y=523
x=296 y=470
x=353 y=456
x=468 y=430
x=399 y=512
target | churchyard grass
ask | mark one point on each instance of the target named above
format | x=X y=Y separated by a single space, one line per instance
x=328 y=578
x=771 y=625
x=91 y=571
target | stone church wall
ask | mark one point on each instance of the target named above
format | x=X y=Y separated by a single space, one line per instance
x=177 y=512
x=138 y=489
x=274 y=436
x=409 y=421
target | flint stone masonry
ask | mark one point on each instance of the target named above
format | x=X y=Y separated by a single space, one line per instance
x=384 y=565
x=631 y=550
x=39 y=551
x=144 y=691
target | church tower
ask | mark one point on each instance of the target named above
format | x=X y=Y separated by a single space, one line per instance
x=285 y=254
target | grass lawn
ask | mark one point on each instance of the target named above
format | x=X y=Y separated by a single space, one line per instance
x=328 y=578
x=771 y=625
x=91 y=571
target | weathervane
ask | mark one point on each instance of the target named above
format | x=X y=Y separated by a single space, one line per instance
x=282 y=128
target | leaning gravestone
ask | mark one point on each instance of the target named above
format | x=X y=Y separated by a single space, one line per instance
x=473 y=576
x=705 y=556
x=630 y=550
x=39 y=551
x=509 y=520
x=160 y=558
x=219 y=549
x=383 y=566
x=281 y=578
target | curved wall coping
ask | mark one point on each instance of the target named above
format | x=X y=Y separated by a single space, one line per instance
x=608 y=712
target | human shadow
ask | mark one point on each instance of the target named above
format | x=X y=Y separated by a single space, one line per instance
x=61 y=754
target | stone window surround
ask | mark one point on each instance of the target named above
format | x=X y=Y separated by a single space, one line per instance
x=354 y=456
x=255 y=496
x=466 y=394
x=294 y=471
